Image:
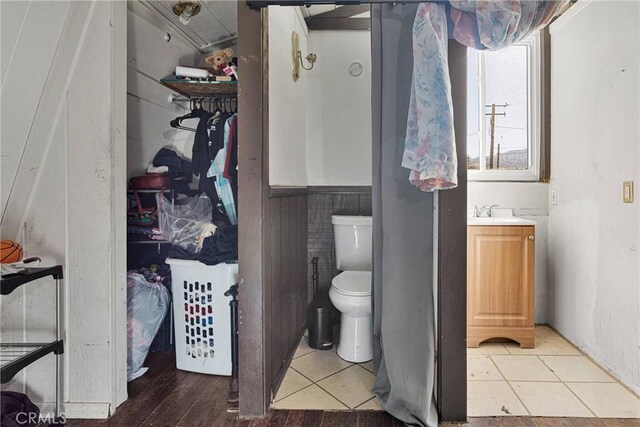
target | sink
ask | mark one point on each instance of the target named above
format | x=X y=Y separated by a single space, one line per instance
x=512 y=220
x=500 y=216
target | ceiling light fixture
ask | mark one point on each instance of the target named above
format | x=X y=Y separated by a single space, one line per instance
x=186 y=9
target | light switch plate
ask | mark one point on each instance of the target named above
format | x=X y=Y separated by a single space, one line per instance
x=627 y=192
x=554 y=196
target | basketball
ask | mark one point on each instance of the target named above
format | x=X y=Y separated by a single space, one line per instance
x=10 y=251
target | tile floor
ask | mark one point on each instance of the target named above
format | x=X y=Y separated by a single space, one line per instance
x=552 y=380
x=322 y=380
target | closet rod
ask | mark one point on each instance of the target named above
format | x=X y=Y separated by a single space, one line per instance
x=175 y=99
x=259 y=4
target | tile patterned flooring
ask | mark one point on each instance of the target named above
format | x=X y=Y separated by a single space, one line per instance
x=322 y=380
x=552 y=380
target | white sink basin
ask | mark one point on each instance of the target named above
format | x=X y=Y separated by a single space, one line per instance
x=508 y=220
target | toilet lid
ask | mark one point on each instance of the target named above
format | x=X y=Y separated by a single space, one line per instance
x=356 y=283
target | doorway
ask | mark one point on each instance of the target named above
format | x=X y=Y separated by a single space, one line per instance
x=182 y=234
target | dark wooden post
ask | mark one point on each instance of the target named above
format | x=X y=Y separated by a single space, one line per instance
x=452 y=260
x=253 y=180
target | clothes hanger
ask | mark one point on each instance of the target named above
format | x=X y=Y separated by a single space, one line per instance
x=196 y=112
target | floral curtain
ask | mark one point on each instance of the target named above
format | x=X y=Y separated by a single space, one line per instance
x=430 y=151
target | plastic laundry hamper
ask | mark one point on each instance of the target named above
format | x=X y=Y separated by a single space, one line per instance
x=202 y=315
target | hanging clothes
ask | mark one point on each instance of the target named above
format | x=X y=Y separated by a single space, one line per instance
x=430 y=150
x=217 y=169
x=231 y=163
x=201 y=161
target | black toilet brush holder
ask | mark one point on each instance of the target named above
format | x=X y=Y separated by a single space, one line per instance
x=319 y=315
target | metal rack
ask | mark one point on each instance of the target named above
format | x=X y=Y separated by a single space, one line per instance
x=149 y=241
x=16 y=356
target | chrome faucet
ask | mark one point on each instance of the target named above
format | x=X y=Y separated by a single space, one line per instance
x=478 y=212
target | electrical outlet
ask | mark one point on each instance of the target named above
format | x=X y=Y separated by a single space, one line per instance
x=627 y=191
x=554 y=196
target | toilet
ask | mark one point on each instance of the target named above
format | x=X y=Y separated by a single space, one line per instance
x=350 y=290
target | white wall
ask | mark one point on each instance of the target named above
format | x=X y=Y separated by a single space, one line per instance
x=63 y=194
x=528 y=200
x=339 y=109
x=287 y=100
x=594 y=242
x=150 y=58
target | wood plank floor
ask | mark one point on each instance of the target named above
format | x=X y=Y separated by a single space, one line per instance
x=167 y=397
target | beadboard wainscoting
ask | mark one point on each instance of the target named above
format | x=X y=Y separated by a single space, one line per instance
x=285 y=224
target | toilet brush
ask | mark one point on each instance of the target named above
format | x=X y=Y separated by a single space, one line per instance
x=319 y=315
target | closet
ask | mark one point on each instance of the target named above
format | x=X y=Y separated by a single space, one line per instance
x=182 y=164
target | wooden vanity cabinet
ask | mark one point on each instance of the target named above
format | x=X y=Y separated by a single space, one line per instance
x=500 y=284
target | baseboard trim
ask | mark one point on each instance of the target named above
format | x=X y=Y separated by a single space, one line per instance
x=87 y=410
x=284 y=191
x=340 y=189
x=288 y=191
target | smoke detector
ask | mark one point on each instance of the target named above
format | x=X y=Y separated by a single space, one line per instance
x=186 y=9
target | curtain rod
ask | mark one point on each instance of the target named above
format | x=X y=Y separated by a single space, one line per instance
x=258 y=4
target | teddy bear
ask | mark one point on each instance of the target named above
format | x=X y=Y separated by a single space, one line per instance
x=220 y=59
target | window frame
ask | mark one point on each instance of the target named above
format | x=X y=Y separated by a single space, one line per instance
x=534 y=96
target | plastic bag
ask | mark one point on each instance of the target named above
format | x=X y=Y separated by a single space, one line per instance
x=147 y=304
x=185 y=225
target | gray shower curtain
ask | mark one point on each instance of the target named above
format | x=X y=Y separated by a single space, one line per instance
x=403 y=296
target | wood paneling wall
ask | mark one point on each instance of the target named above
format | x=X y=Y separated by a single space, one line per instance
x=324 y=202
x=272 y=235
x=64 y=152
x=285 y=261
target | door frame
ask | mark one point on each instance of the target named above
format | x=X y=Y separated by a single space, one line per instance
x=452 y=260
x=253 y=179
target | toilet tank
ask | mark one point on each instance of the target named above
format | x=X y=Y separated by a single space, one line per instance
x=353 y=241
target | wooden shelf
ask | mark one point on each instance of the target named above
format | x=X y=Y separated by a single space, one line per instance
x=200 y=89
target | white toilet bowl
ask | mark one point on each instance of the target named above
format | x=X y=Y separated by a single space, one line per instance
x=350 y=293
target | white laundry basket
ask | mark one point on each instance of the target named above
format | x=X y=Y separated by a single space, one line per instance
x=202 y=316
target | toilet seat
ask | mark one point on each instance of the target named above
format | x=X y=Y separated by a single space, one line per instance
x=353 y=283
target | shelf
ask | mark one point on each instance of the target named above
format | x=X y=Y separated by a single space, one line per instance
x=16 y=356
x=10 y=282
x=149 y=242
x=166 y=190
x=200 y=89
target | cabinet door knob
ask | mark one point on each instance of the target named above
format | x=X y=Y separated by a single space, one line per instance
x=531 y=238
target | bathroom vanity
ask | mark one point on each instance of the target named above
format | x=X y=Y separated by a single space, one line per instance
x=500 y=279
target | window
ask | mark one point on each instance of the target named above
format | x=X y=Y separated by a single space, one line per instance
x=503 y=110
